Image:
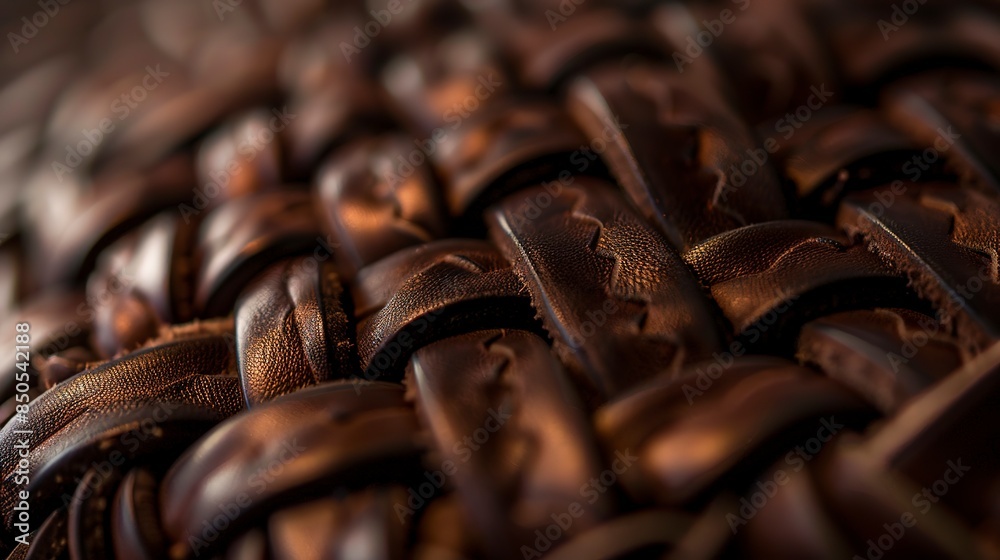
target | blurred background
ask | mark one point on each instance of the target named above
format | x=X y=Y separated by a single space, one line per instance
x=162 y=94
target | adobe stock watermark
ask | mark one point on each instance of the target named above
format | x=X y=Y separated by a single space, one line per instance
x=795 y=460
x=364 y=34
x=86 y=313
x=595 y=320
x=248 y=150
x=914 y=170
x=30 y=27
x=132 y=440
x=900 y=16
x=464 y=449
x=590 y=492
x=407 y=164
x=324 y=251
x=223 y=7
x=703 y=39
x=21 y=477
x=929 y=328
x=566 y=10
x=757 y=158
x=230 y=511
x=400 y=344
x=585 y=156
x=922 y=503
x=707 y=376
x=922 y=162
x=122 y=106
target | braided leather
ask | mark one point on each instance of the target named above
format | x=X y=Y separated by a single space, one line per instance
x=502 y=279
